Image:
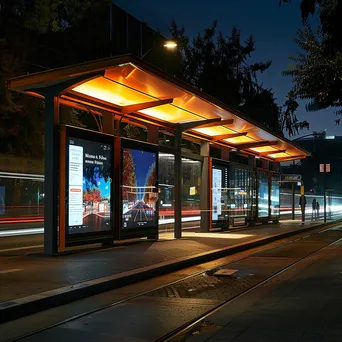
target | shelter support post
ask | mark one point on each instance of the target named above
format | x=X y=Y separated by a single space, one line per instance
x=178 y=182
x=302 y=200
x=205 y=188
x=225 y=153
x=107 y=123
x=325 y=192
x=251 y=161
x=293 y=200
x=51 y=167
x=152 y=134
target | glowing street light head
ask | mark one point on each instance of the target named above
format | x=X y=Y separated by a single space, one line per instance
x=170 y=44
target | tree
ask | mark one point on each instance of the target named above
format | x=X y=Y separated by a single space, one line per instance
x=30 y=30
x=128 y=174
x=317 y=72
x=289 y=121
x=93 y=195
x=151 y=180
x=219 y=66
x=316 y=76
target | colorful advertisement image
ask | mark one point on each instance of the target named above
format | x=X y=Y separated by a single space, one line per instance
x=139 y=192
x=89 y=189
x=216 y=193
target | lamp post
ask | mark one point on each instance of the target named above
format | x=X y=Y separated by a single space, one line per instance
x=170 y=45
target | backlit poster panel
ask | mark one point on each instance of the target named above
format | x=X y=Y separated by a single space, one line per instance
x=89 y=190
x=139 y=192
x=217 y=194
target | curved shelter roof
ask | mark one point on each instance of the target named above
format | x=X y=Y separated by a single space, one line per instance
x=128 y=86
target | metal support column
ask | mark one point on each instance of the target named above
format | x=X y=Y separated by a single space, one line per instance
x=293 y=200
x=178 y=182
x=51 y=166
x=225 y=153
x=107 y=123
x=152 y=134
x=325 y=192
x=252 y=162
x=205 y=188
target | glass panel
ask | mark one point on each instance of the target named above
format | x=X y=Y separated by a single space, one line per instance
x=166 y=192
x=220 y=206
x=233 y=195
x=191 y=182
x=263 y=195
x=241 y=192
x=21 y=196
x=275 y=197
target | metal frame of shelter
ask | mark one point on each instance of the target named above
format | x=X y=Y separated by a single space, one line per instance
x=127 y=89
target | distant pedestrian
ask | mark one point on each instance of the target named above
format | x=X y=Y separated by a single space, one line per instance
x=302 y=204
x=317 y=208
x=313 y=214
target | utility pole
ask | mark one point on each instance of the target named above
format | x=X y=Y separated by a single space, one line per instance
x=324 y=168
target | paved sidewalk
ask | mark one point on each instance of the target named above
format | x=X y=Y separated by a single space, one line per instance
x=69 y=275
x=302 y=304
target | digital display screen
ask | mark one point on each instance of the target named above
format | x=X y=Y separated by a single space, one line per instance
x=217 y=194
x=139 y=191
x=89 y=189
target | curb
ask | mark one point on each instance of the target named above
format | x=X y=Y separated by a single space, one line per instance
x=29 y=305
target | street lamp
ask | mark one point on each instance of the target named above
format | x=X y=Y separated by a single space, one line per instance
x=170 y=45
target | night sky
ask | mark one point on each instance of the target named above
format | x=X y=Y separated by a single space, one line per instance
x=271 y=25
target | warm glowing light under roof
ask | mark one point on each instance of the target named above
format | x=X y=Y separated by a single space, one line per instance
x=170 y=45
x=264 y=149
x=239 y=140
x=215 y=130
x=279 y=155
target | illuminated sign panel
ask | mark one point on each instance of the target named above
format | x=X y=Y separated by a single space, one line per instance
x=89 y=166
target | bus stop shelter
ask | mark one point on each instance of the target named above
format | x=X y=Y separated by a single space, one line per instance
x=127 y=89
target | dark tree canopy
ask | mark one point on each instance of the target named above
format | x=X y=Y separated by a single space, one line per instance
x=317 y=68
x=220 y=66
x=35 y=36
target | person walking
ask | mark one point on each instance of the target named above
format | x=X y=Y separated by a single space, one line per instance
x=313 y=213
x=317 y=208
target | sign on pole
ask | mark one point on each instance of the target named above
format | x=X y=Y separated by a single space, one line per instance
x=290 y=178
x=327 y=167
x=321 y=167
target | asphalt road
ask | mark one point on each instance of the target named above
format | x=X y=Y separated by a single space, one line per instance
x=162 y=310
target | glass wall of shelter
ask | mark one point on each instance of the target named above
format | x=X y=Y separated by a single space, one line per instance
x=233 y=194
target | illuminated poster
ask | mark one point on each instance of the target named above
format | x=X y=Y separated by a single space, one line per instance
x=139 y=195
x=216 y=194
x=89 y=188
x=263 y=196
x=2 y=200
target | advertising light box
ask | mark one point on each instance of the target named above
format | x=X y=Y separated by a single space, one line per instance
x=89 y=188
x=139 y=189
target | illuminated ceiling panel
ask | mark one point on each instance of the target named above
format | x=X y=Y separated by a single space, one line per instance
x=263 y=149
x=129 y=81
x=239 y=140
x=111 y=92
x=278 y=155
x=171 y=114
x=137 y=78
x=215 y=130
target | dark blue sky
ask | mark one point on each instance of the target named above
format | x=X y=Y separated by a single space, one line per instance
x=142 y=162
x=271 y=25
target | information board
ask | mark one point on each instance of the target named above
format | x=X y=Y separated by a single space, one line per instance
x=89 y=166
x=217 y=193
